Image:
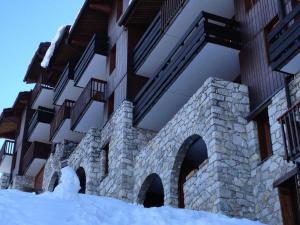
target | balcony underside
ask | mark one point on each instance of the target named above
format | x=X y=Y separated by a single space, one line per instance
x=5 y=165
x=70 y=92
x=95 y=68
x=65 y=133
x=44 y=99
x=166 y=43
x=212 y=61
x=35 y=167
x=40 y=133
x=292 y=65
x=92 y=117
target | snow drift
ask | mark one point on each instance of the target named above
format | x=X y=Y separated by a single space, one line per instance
x=65 y=207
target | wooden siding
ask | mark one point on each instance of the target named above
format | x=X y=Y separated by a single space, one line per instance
x=256 y=72
x=38 y=184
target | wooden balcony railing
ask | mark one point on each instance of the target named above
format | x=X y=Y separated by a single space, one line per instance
x=97 y=45
x=68 y=74
x=290 y=126
x=36 y=150
x=62 y=114
x=284 y=40
x=169 y=10
x=41 y=115
x=8 y=148
x=37 y=90
x=206 y=28
x=94 y=91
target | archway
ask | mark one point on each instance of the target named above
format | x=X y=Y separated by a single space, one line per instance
x=53 y=182
x=192 y=154
x=82 y=179
x=152 y=192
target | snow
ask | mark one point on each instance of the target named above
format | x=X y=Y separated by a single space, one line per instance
x=52 y=46
x=66 y=207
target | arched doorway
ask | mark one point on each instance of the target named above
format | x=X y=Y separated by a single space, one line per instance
x=53 y=182
x=82 y=179
x=152 y=192
x=191 y=155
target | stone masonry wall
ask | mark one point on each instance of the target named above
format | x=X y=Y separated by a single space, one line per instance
x=23 y=183
x=263 y=174
x=4 y=180
x=53 y=165
x=215 y=112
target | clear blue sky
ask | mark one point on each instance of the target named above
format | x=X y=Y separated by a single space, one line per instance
x=24 y=24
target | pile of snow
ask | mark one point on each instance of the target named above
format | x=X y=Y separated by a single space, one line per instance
x=19 y=208
x=50 y=51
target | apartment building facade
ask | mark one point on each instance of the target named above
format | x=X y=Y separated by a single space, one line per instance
x=187 y=103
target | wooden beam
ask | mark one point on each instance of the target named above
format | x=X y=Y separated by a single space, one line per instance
x=105 y=8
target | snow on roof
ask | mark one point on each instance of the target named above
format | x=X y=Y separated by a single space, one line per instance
x=65 y=206
x=50 y=51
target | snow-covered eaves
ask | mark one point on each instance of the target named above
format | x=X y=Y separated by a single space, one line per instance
x=54 y=43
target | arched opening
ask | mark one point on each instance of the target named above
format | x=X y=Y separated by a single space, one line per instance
x=53 y=182
x=82 y=179
x=152 y=192
x=192 y=154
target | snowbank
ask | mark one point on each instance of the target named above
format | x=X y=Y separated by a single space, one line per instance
x=18 y=208
x=52 y=46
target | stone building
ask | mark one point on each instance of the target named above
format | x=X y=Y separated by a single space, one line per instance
x=193 y=104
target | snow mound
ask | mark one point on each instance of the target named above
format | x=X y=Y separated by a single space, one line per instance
x=19 y=208
x=50 y=51
x=69 y=185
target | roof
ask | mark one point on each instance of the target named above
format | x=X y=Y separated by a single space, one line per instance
x=140 y=12
x=92 y=19
x=34 y=69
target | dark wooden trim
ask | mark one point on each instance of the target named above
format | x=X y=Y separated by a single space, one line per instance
x=61 y=115
x=36 y=150
x=97 y=45
x=202 y=31
x=283 y=40
x=41 y=115
x=94 y=91
x=68 y=74
x=285 y=177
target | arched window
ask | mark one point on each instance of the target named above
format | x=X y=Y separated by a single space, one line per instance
x=152 y=192
x=82 y=178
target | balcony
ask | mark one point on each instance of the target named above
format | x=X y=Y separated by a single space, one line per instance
x=42 y=95
x=169 y=27
x=65 y=88
x=211 y=40
x=39 y=126
x=88 y=110
x=60 y=128
x=6 y=156
x=92 y=63
x=290 y=126
x=35 y=158
x=284 y=45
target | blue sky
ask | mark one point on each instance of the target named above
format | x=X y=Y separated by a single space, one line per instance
x=24 y=24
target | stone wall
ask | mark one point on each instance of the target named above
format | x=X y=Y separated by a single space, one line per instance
x=23 y=183
x=215 y=112
x=4 y=180
x=54 y=163
x=264 y=173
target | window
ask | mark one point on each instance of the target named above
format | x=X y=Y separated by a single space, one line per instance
x=110 y=104
x=119 y=6
x=112 y=59
x=264 y=135
x=106 y=151
x=249 y=4
x=270 y=26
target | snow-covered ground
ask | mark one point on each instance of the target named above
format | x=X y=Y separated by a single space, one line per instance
x=65 y=207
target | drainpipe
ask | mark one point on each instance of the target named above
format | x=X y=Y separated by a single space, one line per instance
x=287 y=91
